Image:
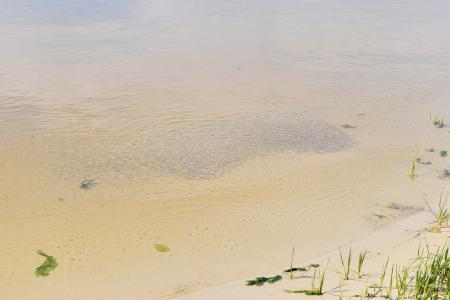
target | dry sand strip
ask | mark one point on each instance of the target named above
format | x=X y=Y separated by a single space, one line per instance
x=399 y=242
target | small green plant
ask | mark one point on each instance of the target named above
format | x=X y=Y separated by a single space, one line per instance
x=442 y=215
x=383 y=275
x=313 y=291
x=161 y=248
x=87 y=184
x=259 y=281
x=361 y=258
x=438 y=121
x=348 y=126
x=432 y=274
x=389 y=293
x=378 y=288
x=412 y=171
x=291 y=270
x=430 y=150
x=322 y=279
x=403 y=281
x=443 y=153
x=346 y=265
x=48 y=265
x=365 y=291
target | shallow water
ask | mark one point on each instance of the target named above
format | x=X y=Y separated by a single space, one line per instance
x=181 y=87
x=210 y=126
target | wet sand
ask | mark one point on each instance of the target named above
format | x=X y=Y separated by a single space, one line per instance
x=226 y=145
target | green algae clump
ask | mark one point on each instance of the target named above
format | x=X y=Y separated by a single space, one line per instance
x=48 y=265
x=161 y=248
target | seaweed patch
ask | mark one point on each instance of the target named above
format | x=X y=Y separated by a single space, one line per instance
x=161 y=248
x=259 y=281
x=87 y=184
x=48 y=265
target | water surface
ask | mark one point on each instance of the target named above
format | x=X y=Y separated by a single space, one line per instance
x=154 y=85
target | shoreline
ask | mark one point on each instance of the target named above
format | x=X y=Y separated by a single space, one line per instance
x=398 y=240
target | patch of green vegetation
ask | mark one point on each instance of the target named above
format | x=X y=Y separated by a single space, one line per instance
x=161 y=248
x=412 y=171
x=379 y=216
x=348 y=126
x=87 y=184
x=425 y=276
x=403 y=280
x=313 y=291
x=291 y=269
x=438 y=121
x=346 y=265
x=259 y=281
x=378 y=288
x=432 y=278
x=442 y=216
x=391 y=284
x=430 y=150
x=361 y=258
x=48 y=265
x=420 y=161
x=302 y=269
x=443 y=153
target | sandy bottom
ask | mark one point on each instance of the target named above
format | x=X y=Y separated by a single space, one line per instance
x=235 y=226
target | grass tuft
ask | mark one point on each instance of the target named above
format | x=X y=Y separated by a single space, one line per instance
x=438 y=121
x=383 y=276
x=442 y=215
x=402 y=281
x=391 y=281
x=313 y=291
x=346 y=265
x=432 y=275
x=361 y=258
x=412 y=171
x=291 y=270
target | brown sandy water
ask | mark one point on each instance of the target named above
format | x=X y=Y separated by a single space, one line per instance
x=213 y=127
